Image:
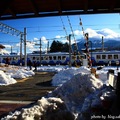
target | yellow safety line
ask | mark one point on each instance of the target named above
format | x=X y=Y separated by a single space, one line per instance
x=23 y=80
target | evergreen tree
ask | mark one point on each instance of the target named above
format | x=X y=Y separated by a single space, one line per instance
x=58 y=46
x=53 y=46
x=65 y=47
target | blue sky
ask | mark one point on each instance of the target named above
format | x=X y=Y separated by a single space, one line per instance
x=97 y=25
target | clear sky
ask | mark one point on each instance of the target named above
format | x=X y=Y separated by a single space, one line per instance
x=52 y=27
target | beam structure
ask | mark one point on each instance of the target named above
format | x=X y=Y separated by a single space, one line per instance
x=9 y=30
x=14 y=32
x=18 y=9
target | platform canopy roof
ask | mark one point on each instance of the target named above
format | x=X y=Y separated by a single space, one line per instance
x=16 y=9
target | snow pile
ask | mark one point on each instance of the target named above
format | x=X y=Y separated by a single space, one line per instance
x=67 y=74
x=6 y=79
x=12 y=72
x=103 y=76
x=45 y=109
x=22 y=73
x=17 y=72
x=49 y=68
x=97 y=103
x=74 y=91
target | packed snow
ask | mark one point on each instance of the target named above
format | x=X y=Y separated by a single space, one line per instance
x=79 y=94
x=8 y=74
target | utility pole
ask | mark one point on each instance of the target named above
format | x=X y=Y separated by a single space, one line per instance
x=11 y=49
x=48 y=47
x=25 y=58
x=40 y=51
x=40 y=44
x=69 y=38
x=21 y=39
x=102 y=44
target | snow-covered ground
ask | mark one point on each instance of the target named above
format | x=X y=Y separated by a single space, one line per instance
x=78 y=95
x=8 y=74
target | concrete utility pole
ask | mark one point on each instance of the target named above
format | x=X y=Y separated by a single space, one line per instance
x=40 y=50
x=11 y=50
x=21 y=39
x=102 y=44
x=25 y=58
x=69 y=38
x=48 y=47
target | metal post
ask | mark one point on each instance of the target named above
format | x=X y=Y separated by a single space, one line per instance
x=21 y=48
x=102 y=44
x=40 y=51
x=25 y=58
x=69 y=50
x=48 y=47
x=11 y=49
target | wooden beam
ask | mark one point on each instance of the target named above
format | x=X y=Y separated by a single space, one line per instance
x=6 y=5
x=112 y=5
x=85 y=6
x=60 y=7
x=34 y=7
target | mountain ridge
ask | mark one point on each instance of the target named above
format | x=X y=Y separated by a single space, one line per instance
x=97 y=43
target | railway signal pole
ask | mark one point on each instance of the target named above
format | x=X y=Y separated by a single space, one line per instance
x=87 y=50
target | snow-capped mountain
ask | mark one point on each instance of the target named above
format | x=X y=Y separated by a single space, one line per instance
x=97 y=43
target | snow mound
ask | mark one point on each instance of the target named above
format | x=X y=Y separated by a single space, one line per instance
x=103 y=76
x=46 y=109
x=22 y=73
x=6 y=79
x=74 y=91
x=12 y=72
x=67 y=74
x=94 y=103
x=49 y=68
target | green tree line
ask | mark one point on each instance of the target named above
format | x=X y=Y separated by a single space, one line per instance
x=58 y=46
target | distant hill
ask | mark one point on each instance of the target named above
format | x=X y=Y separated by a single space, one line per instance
x=108 y=44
